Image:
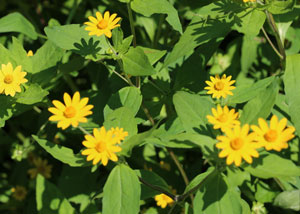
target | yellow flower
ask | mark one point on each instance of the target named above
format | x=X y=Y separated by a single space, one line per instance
x=237 y=144
x=223 y=118
x=220 y=87
x=11 y=79
x=101 y=146
x=19 y=192
x=163 y=200
x=30 y=53
x=119 y=134
x=249 y=1
x=41 y=167
x=74 y=111
x=274 y=137
x=102 y=25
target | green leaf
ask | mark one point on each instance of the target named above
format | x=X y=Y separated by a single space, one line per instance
x=153 y=54
x=192 y=110
x=20 y=55
x=243 y=93
x=288 y=200
x=33 y=94
x=49 y=199
x=136 y=63
x=123 y=118
x=249 y=53
x=147 y=8
x=291 y=87
x=129 y=97
x=198 y=32
x=15 y=22
x=264 y=193
x=269 y=165
x=264 y=102
x=280 y=7
x=61 y=153
x=121 y=193
x=5 y=56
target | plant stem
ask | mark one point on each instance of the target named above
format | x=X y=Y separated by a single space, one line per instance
x=158 y=32
x=83 y=130
x=131 y=24
x=42 y=36
x=70 y=82
x=72 y=12
x=270 y=42
x=282 y=187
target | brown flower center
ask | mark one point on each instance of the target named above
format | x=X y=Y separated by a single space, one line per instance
x=100 y=146
x=70 y=112
x=271 y=135
x=219 y=86
x=102 y=24
x=41 y=169
x=236 y=143
x=222 y=118
x=8 y=79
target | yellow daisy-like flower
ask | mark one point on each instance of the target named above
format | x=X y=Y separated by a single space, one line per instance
x=30 y=53
x=163 y=200
x=102 y=24
x=220 y=87
x=249 y=1
x=19 y=193
x=119 y=134
x=274 y=137
x=101 y=146
x=11 y=79
x=74 y=111
x=41 y=167
x=222 y=118
x=237 y=144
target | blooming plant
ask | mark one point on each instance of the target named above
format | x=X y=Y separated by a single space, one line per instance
x=104 y=105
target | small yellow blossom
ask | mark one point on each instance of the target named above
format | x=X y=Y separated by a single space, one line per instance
x=222 y=118
x=220 y=87
x=237 y=144
x=274 y=137
x=11 y=79
x=19 y=193
x=119 y=134
x=163 y=200
x=101 y=146
x=41 y=167
x=249 y=1
x=102 y=24
x=30 y=53
x=74 y=111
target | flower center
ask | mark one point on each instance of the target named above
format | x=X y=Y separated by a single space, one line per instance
x=222 y=118
x=100 y=146
x=236 y=143
x=8 y=79
x=271 y=135
x=219 y=86
x=102 y=24
x=70 y=112
x=41 y=169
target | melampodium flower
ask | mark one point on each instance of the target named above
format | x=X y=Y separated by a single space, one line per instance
x=101 y=146
x=19 y=192
x=163 y=200
x=222 y=118
x=220 y=87
x=274 y=137
x=11 y=79
x=237 y=144
x=41 y=167
x=249 y=1
x=30 y=53
x=119 y=134
x=102 y=25
x=74 y=111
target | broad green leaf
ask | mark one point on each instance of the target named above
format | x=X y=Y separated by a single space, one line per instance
x=198 y=32
x=61 y=153
x=123 y=118
x=15 y=22
x=243 y=93
x=288 y=200
x=20 y=55
x=49 y=199
x=269 y=165
x=33 y=94
x=121 y=193
x=292 y=89
x=128 y=96
x=147 y=8
x=153 y=54
x=136 y=63
x=249 y=53
x=280 y=7
x=264 y=193
x=261 y=105
x=214 y=196
x=5 y=56
x=192 y=110
x=153 y=179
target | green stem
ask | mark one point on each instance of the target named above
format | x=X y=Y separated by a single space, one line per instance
x=158 y=32
x=282 y=187
x=83 y=130
x=70 y=82
x=42 y=36
x=131 y=21
x=72 y=12
x=270 y=42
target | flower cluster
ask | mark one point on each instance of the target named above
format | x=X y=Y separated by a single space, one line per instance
x=238 y=143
